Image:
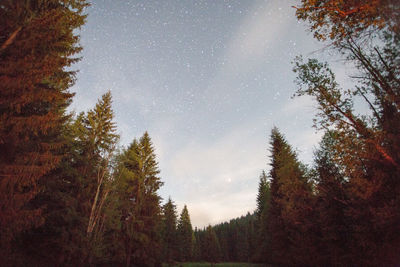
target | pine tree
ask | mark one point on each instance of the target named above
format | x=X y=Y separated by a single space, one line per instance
x=169 y=231
x=242 y=245
x=37 y=43
x=197 y=255
x=262 y=196
x=289 y=222
x=263 y=203
x=331 y=205
x=222 y=232
x=76 y=191
x=185 y=236
x=138 y=203
x=99 y=140
x=236 y=240
x=212 y=251
x=367 y=145
x=276 y=226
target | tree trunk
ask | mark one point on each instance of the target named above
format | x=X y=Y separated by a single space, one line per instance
x=128 y=256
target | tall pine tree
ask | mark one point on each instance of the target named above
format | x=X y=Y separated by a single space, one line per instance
x=185 y=236
x=169 y=232
x=289 y=222
x=263 y=203
x=98 y=140
x=74 y=194
x=138 y=203
x=38 y=41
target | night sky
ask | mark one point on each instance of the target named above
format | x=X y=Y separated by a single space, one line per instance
x=208 y=80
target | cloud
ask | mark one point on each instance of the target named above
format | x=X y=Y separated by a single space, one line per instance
x=259 y=32
x=251 y=47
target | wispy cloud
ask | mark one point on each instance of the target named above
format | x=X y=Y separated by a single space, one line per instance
x=260 y=31
x=251 y=47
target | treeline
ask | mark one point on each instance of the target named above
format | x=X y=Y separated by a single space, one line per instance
x=233 y=241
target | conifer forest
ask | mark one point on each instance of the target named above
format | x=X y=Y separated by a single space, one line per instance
x=71 y=194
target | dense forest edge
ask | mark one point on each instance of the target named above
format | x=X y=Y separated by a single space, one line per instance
x=70 y=195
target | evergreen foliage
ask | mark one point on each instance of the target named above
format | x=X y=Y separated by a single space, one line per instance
x=169 y=232
x=185 y=236
x=234 y=241
x=262 y=210
x=362 y=169
x=290 y=205
x=74 y=194
x=97 y=139
x=212 y=250
x=330 y=206
x=38 y=41
x=138 y=203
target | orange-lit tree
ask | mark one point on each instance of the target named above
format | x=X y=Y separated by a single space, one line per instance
x=367 y=144
x=37 y=43
x=339 y=19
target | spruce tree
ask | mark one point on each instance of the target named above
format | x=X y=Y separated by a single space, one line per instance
x=197 y=255
x=289 y=221
x=185 y=236
x=332 y=200
x=37 y=43
x=263 y=203
x=222 y=232
x=368 y=143
x=98 y=139
x=262 y=196
x=75 y=193
x=169 y=232
x=236 y=240
x=212 y=251
x=276 y=226
x=138 y=203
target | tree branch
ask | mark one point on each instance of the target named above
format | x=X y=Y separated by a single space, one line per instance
x=11 y=39
x=362 y=130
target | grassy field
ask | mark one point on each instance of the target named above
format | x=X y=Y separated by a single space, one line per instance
x=206 y=264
